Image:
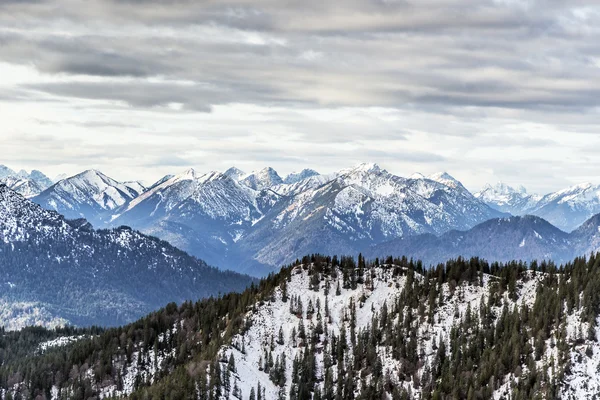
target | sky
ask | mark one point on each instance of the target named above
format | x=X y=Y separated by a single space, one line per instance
x=486 y=90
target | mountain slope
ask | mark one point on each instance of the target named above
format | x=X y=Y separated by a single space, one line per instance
x=204 y=214
x=570 y=207
x=90 y=195
x=516 y=238
x=84 y=276
x=254 y=223
x=263 y=179
x=335 y=328
x=359 y=207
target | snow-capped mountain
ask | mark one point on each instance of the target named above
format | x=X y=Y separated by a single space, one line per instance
x=570 y=207
x=567 y=208
x=508 y=199
x=295 y=177
x=90 y=195
x=263 y=179
x=27 y=184
x=235 y=173
x=69 y=272
x=255 y=221
x=205 y=214
x=25 y=187
x=358 y=207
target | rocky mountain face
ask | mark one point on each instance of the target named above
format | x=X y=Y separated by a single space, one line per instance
x=566 y=209
x=90 y=195
x=24 y=183
x=340 y=328
x=255 y=222
x=54 y=270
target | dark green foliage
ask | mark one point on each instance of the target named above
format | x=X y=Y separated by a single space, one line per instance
x=496 y=343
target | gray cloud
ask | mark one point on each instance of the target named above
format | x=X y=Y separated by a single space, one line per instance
x=420 y=85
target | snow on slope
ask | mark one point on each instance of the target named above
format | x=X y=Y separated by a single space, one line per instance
x=269 y=317
x=263 y=179
x=90 y=194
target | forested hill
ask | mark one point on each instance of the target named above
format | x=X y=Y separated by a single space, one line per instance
x=329 y=328
x=55 y=271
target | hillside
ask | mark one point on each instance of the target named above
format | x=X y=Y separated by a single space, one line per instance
x=330 y=328
x=525 y=238
x=55 y=271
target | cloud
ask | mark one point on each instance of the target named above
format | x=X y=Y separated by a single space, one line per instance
x=420 y=85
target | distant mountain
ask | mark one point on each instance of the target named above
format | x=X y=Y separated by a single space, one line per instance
x=263 y=179
x=295 y=177
x=90 y=195
x=502 y=239
x=507 y=199
x=254 y=223
x=205 y=214
x=25 y=187
x=234 y=173
x=67 y=271
x=360 y=206
x=27 y=184
x=516 y=238
x=567 y=208
x=570 y=207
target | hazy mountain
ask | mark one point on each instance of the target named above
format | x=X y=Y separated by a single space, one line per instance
x=67 y=271
x=502 y=239
x=263 y=179
x=299 y=176
x=27 y=184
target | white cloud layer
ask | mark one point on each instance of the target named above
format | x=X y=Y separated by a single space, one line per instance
x=486 y=90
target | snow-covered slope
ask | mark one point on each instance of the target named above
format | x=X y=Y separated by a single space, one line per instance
x=341 y=315
x=508 y=199
x=90 y=194
x=299 y=176
x=26 y=184
x=359 y=207
x=263 y=179
x=65 y=270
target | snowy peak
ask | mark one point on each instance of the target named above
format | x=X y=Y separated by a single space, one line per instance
x=295 y=177
x=6 y=172
x=27 y=184
x=445 y=179
x=89 y=194
x=263 y=179
x=363 y=168
x=234 y=173
x=501 y=193
x=25 y=187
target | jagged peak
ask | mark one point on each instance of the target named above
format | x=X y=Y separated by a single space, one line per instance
x=299 y=176
x=234 y=173
x=417 y=175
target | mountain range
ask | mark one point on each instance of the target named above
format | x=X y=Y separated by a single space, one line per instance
x=254 y=222
x=55 y=271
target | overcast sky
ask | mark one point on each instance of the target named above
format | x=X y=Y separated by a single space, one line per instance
x=486 y=90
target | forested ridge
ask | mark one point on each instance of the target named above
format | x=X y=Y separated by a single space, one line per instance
x=340 y=328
